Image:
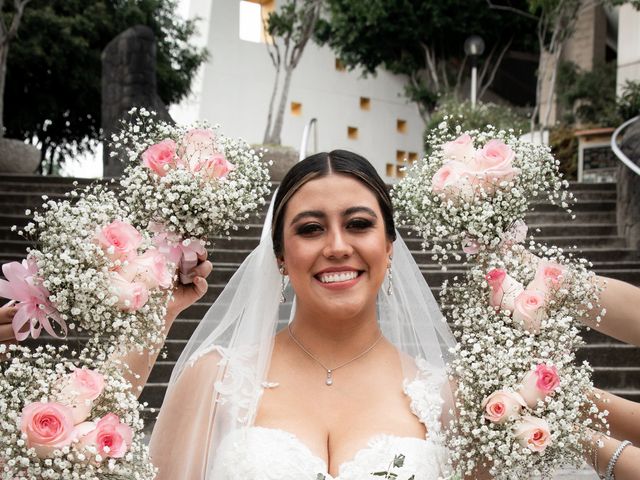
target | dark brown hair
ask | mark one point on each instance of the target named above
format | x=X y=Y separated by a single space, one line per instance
x=321 y=165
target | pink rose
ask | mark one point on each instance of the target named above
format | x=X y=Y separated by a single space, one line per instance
x=460 y=149
x=549 y=275
x=119 y=240
x=110 y=437
x=504 y=289
x=454 y=179
x=159 y=158
x=47 y=426
x=529 y=309
x=533 y=433
x=81 y=388
x=493 y=164
x=131 y=295
x=502 y=405
x=214 y=167
x=539 y=383
x=198 y=144
x=149 y=268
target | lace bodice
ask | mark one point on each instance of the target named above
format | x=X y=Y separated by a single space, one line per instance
x=259 y=453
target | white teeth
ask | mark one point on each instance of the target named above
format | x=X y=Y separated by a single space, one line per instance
x=337 y=277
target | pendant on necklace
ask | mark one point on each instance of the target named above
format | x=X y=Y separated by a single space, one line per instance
x=329 y=380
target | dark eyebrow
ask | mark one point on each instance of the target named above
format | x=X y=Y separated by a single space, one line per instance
x=352 y=210
x=319 y=214
x=308 y=213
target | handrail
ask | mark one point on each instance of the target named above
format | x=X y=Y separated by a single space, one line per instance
x=619 y=153
x=305 y=138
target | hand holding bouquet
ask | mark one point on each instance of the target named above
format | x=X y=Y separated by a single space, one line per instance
x=188 y=184
x=91 y=269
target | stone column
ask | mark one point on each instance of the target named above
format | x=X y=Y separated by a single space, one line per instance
x=628 y=210
x=128 y=80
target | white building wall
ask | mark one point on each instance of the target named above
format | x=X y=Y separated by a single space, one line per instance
x=628 y=46
x=235 y=87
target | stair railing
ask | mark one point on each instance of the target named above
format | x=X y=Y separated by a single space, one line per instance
x=313 y=123
x=616 y=149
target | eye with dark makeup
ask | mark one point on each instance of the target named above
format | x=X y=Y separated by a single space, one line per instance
x=360 y=224
x=308 y=229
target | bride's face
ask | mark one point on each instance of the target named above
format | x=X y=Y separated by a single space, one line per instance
x=336 y=250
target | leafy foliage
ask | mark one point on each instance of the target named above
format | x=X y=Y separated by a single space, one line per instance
x=418 y=38
x=53 y=90
x=502 y=117
x=588 y=97
x=629 y=101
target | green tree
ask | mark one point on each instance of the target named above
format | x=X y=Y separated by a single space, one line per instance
x=423 y=39
x=53 y=87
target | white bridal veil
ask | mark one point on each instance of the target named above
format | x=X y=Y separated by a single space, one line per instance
x=218 y=380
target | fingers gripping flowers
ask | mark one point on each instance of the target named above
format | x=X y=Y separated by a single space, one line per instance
x=92 y=269
x=188 y=184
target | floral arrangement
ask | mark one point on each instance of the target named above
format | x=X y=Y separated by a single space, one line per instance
x=92 y=270
x=68 y=418
x=474 y=189
x=523 y=402
x=188 y=183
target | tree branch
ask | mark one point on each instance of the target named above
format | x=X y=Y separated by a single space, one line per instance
x=512 y=10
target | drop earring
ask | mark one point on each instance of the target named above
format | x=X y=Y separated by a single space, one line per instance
x=390 y=276
x=282 y=285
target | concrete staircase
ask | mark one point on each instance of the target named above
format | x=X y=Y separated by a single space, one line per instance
x=594 y=232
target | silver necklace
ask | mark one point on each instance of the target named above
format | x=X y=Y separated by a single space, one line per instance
x=329 y=380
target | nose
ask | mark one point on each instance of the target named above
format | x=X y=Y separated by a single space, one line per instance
x=337 y=245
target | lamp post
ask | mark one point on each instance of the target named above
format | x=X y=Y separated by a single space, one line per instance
x=474 y=47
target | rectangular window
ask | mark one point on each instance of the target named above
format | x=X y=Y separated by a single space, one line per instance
x=365 y=103
x=391 y=170
x=401 y=126
x=296 y=109
x=413 y=157
x=352 y=133
x=340 y=67
x=401 y=156
x=253 y=18
x=400 y=171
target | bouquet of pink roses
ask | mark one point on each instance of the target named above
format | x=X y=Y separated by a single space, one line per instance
x=521 y=396
x=474 y=189
x=91 y=269
x=188 y=183
x=73 y=418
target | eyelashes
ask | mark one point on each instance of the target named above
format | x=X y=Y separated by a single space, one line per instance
x=355 y=224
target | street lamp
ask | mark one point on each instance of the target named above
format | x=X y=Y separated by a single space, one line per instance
x=474 y=47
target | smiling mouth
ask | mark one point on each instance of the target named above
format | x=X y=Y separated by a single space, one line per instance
x=336 y=277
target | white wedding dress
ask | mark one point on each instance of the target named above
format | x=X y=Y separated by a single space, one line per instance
x=260 y=453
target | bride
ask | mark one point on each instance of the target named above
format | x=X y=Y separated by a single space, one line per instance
x=352 y=386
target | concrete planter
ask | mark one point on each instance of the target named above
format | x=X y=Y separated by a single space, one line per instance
x=283 y=159
x=18 y=157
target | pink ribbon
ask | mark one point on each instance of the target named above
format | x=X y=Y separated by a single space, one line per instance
x=34 y=310
x=182 y=253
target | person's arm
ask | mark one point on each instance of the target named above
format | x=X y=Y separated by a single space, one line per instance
x=625 y=468
x=7 y=336
x=622 y=303
x=140 y=363
x=624 y=415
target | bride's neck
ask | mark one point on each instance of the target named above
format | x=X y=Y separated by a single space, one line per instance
x=335 y=339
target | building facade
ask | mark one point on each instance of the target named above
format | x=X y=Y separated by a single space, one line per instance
x=369 y=116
